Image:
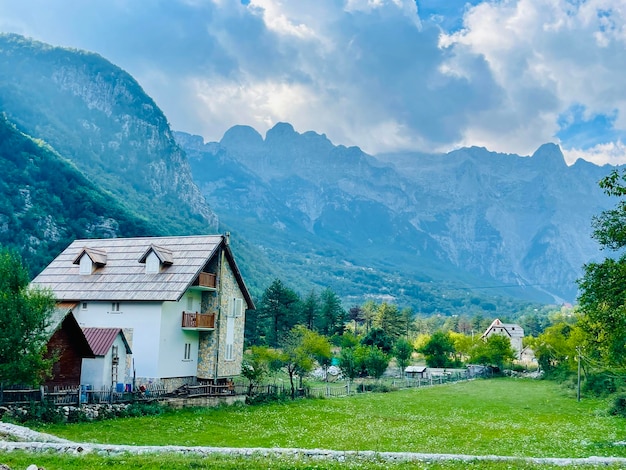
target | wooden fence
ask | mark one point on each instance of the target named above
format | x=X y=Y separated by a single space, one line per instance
x=76 y=395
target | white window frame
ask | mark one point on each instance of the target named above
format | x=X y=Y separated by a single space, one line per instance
x=153 y=263
x=85 y=266
x=236 y=307
x=115 y=308
x=229 y=349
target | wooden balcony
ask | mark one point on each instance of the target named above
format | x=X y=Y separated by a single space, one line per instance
x=198 y=321
x=205 y=281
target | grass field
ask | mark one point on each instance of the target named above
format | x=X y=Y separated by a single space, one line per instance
x=509 y=417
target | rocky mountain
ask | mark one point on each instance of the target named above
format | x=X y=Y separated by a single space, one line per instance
x=406 y=227
x=45 y=202
x=96 y=115
x=86 y=153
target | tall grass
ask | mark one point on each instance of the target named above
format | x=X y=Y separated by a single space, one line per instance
x=513 y=417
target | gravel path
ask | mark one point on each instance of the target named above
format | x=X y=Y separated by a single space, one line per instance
x=16 y=437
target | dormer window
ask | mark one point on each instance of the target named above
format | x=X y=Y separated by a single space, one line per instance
x=153 y=264
x=89 y=259
x=85 y=265
x=155 y=257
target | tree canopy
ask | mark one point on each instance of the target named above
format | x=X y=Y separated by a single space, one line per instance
x=24 y=320
x=603 y=286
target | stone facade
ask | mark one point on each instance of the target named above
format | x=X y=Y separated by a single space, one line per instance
x=212 y=363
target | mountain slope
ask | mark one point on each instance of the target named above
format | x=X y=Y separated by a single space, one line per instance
x=410 y=227
x=45 y=202
x=97 y=115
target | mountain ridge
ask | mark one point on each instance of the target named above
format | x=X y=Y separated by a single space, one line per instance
x=505 y=218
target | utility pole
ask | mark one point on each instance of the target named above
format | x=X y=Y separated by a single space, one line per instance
x=579 y=360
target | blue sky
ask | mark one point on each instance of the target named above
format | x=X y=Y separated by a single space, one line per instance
x=386 y=75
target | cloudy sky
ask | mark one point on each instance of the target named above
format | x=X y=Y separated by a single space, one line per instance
x=386 y=75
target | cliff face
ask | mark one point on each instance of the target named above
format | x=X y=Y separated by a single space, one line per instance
x=45 y=202
x=470 y=216
x=96 y=115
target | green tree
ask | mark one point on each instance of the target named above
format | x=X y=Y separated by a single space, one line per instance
x=375 y=361
x=304 y=349
x=389 y=319
x=279 y=309
x=24 y=320
x=332 y=314
x=257 y=364
x=402 y=352
x=603 y=286
x=349 y=363
x=369 y=313
x=407 y=319
x=379 y=338
x=495 y=351
x=355 y=314
x=310 y=310
x=555 y=348
x=439 y=350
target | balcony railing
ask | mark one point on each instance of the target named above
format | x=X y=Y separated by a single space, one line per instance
x=198 y=321
x=206 y=280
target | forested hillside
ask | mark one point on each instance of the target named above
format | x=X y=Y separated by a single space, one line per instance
x=97 y=115
x=45 y=202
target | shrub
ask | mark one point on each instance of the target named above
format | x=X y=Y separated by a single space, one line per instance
x=264 y=398
x=374 y=387
x=601 y=384
x=619 y=406
x=143 y=408
x=77 y=415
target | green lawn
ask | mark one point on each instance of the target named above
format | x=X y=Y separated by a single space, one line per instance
x=512 y=417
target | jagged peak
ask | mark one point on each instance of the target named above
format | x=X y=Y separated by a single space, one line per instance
x=549 y=154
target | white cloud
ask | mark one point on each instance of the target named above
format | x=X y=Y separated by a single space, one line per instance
x=613 y=153
x=370 y=73
x=546 y=56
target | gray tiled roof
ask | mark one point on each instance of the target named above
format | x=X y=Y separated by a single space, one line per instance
x=123 y=277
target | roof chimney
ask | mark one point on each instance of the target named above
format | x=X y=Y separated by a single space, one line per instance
x=227 y=238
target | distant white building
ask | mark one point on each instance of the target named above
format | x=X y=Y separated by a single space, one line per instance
x=514 y=332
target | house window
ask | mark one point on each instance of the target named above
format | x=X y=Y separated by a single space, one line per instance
x=83 y=306
x=85 y=266
x=115 y=307
x=229 y=353
x=152 y=264
x=236 y=307
x=190 y=303
x=187 y=352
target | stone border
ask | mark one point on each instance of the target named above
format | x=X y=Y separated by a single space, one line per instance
x=36 y=442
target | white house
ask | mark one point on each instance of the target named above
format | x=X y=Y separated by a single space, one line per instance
x=179 y=301
x=514 y=332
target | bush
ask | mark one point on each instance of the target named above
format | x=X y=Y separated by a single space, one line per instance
x=77 y=415
x=619 y=406
x=35 y=412
x=143 y=408
x=600 y=385
x=374 y=387
x=265 y=398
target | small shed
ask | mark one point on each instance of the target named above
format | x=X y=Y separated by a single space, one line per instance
x=415 y=372
x=68 y=343
x=110 y=365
